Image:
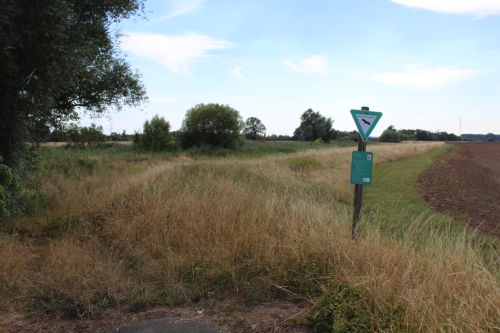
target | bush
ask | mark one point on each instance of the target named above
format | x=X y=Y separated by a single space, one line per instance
x=9 y=184
x=345 y=308
x=213 y=125
x=156 y=135
x=15 y=198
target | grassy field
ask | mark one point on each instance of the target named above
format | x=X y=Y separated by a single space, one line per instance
x=128 y=230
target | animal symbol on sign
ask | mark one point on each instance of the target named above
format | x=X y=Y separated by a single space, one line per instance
x=366 y=122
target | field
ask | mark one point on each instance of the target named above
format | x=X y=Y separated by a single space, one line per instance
x=467 y=185
x=267 y=229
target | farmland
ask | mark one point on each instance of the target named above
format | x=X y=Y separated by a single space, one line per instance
x=124 y=232
x=471 y=174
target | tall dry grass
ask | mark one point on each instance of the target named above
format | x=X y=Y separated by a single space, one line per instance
x=187 y=229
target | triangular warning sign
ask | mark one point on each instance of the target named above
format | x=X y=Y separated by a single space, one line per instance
x=365 y=122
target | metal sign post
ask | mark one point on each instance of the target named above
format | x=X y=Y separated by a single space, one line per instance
x=362 y=161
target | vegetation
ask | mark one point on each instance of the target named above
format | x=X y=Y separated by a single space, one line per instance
x=390 y=135
x=254 y=128
x=82 y=137
x=211 y=124
x=314 y=126
x=393 y=135
x=155 y=136
x=478 y=137
x=58 y=56
x=490 y=137
x=126 y=229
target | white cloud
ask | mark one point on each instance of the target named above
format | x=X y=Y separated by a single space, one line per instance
x=182 y=7
x=426 y=78
x=480 y=8
x=316 y=64
x=237 y=72
x=176 y=53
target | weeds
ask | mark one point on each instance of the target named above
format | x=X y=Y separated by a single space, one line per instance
x=178 y=229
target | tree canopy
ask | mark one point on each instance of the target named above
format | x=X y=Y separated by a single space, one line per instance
x=59 y=56
x=253 y=128
x=314 y=126
x=390 y=134
x=211 y=124
x=156 y=135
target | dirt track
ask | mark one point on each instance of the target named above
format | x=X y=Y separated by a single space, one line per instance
x=466 y=185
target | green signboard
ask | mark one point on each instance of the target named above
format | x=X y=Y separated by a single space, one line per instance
x=361 y=167
x=365 y=121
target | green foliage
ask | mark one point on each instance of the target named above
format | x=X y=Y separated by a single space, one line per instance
x=314 y=126
x=393 y=135
x=9 y=185
x=344 y=308
x=58 y=56
x=279 y=137
x=84 y=136
x=253 y=128
x=390 y=135
x=213 y=125
x=490 y=137
x=156 y=135
x=15 y=197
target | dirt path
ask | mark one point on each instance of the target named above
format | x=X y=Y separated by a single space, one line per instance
x=466 y=184
x=209 y=316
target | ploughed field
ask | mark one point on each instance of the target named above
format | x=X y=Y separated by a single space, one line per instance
x=466 y=185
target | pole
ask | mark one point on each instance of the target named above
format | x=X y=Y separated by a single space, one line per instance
x=358 y=189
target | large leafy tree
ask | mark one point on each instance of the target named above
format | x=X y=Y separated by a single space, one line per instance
x=253 y=128
x=211 y=124
x=57 y=57
x=314 y=126
x=390 y=134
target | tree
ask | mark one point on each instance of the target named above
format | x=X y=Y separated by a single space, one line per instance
x=59 y=56
x=92 y=135
x=390 y=135
x=314 y=126
x=156 y=135
x=253 y=128
x=490 y=137
x=422 y=135
x=211 y=124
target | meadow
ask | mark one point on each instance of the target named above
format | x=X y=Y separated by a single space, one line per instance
x=128 y=230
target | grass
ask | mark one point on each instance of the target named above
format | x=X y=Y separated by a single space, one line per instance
x=135 y=233
x=402 y=213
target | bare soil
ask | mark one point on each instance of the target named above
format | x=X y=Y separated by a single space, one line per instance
x=229 y=315
x=466 y=184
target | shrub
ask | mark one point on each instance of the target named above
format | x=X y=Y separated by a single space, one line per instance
x=15 y=198
x=9 y=185
x=211 y=124
x=345 y=308
x=156 y=135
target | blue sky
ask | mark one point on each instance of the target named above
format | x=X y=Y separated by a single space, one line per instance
x=423 y=63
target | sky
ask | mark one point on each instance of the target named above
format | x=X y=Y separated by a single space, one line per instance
x=428 y=64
